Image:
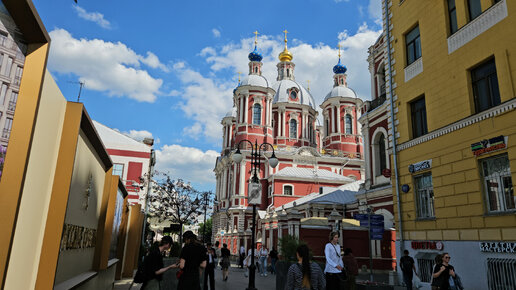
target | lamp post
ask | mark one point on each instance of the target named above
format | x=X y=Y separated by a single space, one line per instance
x=205 y=197
x=254 y=193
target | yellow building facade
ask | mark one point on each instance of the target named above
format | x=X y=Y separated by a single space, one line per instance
x=453 y=79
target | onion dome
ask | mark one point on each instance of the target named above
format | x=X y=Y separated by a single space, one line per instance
x=339 y=68
x=255 y=55
x=285 y=55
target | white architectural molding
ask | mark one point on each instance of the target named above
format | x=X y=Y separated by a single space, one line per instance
x=490 y=113
x=486 y=20
x=413 y=69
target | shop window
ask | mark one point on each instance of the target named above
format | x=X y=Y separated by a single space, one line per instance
x=413 y=45
x=293 y=129
x=349 y=124
x=485 y=86
x=452 y=16
x=288 y=190
x=474 y=9
x=497 y=181
x=424 y=196
x=499 y=273
x=418 y=112
x=118 y=169
x=257 y=114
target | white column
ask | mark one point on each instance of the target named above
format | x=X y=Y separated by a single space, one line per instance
x=242 y=178
x=241 y=112
x=246 y=117
x=233 y=189
x=269 y=100
x=270 y=237
x=224 y=183
x=283 y=123
x=302 y=126
x=230 y=129
x=296 y=233
x=338 y=118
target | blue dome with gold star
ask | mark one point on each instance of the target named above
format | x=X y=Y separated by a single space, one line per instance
x=339 y=68
x=255 y=55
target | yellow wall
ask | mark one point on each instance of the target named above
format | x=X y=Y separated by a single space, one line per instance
x=459 y=198
x=37 y=188
x=86 y=163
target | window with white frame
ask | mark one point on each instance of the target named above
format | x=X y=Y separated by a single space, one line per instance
x=118 y=169
x=293 y=129
x=349 y=124
x=8 y=66
x=257 y=114
x=498 y=189
x=12 y=101
x=7 y=128
x=288 y=190
x=380 y=154
x=424 y=190
x=413 y=45
x=3 y=93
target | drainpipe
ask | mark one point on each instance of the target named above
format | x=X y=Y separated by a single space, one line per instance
x=394 y=152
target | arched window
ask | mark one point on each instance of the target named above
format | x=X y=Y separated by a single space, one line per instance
x=293 y=128
x=327 y=127
x=257 y=114
x=349 y=124
x=256 y=69
x=381 y=153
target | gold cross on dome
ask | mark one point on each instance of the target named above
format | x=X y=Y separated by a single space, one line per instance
x=285 y=31
x=239 y=73
x=256 y=37
x=339 y=45
x=308 y=85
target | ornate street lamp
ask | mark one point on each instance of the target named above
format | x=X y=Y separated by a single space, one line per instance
x=254 y=194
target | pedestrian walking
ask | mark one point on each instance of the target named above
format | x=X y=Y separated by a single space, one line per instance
x=274 y=258
x=247 y=261
x=351 y=266
x=305 y=275
x=191 y=260
x=408 y=269
x=264 y=253
x=153 y=267
x=209 y=272
x=335 y=278
x=225 y=263
x=241 y=257
x=444 y=277
x=217 y=251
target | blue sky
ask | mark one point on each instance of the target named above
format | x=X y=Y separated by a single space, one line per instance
x=167 y=69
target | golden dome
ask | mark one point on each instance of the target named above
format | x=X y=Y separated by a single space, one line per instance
x=285 y=55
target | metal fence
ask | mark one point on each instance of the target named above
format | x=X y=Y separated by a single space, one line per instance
x=501 y=273
x=425 y=267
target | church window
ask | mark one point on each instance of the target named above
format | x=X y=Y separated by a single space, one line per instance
x=288 y=72
x=257 y=114
x=293 y=95
x=293 y=128
x=341 y=81
x=349 y=124
x=327 y=127
x=256 y=69
x=288 y=190
x=380 y=154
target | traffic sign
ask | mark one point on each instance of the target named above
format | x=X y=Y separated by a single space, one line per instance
x=373 y=223
x=377 y=236
x=364 y=216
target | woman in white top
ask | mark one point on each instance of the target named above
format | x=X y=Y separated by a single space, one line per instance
x=264 y=253
x=334 y=263
x=247 y=261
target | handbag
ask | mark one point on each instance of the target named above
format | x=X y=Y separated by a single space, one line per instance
x=343 y=277
x=179 y=273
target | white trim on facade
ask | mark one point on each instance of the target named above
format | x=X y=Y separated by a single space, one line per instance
x=414 y=69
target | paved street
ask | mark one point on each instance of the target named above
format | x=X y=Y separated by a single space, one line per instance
x=236 y=281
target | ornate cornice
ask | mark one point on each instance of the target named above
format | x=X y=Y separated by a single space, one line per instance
x=490 y=113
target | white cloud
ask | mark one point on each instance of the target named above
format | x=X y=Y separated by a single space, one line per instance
x=104 y=66
x=138 y=135
x=96 y=17
x=375 y=11
x=152 y=60
x=216 y=33
x=188 y=163
x=208 y=97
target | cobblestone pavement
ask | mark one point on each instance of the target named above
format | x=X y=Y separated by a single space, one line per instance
x=236 y=281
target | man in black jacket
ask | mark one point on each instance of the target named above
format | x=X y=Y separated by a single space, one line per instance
x=209 y=272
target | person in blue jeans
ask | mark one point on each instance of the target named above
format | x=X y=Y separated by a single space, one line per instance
x=274 y=257
x=264 y=253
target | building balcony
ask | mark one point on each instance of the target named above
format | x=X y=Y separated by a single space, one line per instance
x=11 y=106
x=377 y=102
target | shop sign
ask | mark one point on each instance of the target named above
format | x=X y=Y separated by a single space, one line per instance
x=486 y=146
x=498 y=247
x=420 y=166
x=427 y=245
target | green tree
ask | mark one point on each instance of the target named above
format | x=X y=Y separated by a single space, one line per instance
x=207 y=230
x=288 y=247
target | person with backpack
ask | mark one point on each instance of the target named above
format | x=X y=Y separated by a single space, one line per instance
x=304 y=275
x=153 y=267
x=408 y=269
